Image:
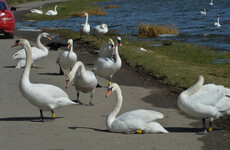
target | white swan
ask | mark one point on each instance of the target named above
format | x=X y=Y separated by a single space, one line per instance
x=36 y=11
x=107 y=67
x=205 y=101
x=100 y=30
x=136 y=121
x=37 y=53
x=52 y=12
x=203 y=12
x=44 y=96
x=211 y=3
x=84 y=80
x=107 y=50
x=85 y=28
x=217 y=24
x=67 y=59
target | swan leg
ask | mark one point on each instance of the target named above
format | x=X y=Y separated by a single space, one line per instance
x=91 y=97
x=77 y=101
x=41 y=115
x=53 y=115
x=210 y=125
x=61 y=71
x=204 y=132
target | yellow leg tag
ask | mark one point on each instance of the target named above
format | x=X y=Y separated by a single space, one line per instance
x=53 y=115
x=110 y=82
x=139 y=131
x=34 y=65
x=210 y=129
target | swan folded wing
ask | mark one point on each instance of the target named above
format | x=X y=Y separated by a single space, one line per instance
x=36 y=54
x=141 y=114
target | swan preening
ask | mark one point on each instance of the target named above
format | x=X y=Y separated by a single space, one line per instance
x=85 y=28
x=107 y=67
x=84 y=80
x=67 y=59
x=36 y=11
x=100 y=30
x=44 y=96
x=37 y=53
x=107 y=50
x=132 y=121
x=208 y=101
x=52 y=12
x=217 y=24
x=203 y=12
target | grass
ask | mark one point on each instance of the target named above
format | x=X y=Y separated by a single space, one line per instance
x=154 y=30
x=178 y=64
x=67 y=9
x=14 y=2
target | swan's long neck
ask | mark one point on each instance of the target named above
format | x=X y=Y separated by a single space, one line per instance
x=195 y=88
x=41 y=46
x=117 y=56
x=218 y=20
x=117 y=108
x=86 y=19
x=26 y=73
x=77 y=65
x=55 y=8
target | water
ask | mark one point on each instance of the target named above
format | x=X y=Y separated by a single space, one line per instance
x=184 y=14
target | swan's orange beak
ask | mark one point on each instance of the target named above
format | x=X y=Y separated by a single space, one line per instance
x=83 y=15
x=68 y=46
x=16 y=44
x=108 y=93
x=120 y=44
x=67 y=84
x=49 y=38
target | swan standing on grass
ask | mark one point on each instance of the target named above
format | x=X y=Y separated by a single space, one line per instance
x=100 y=30
x=85 y=28
x=36 y=11
x=51 y=12
x=37 y=53
x=217 y=24
x=107 y=67
x=67 y=59
x=85 y=81
x=136 y=121
x=107 y=50
x=44 y=96
x=203 y=12
x=208 y=101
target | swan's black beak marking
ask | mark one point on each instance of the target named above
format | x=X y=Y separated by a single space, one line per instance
x=16 y=43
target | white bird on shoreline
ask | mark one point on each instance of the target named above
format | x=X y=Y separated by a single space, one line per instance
x=100 y=30
x=85 y=28
x=67 y=59
x=136 y=121
x=84 y=80
x=107 y=67
x=211 y=3
x=52 y=12
x=44 y=96
x=208 y=101
x=217 y=24
x=37 y=53
x=36 y=11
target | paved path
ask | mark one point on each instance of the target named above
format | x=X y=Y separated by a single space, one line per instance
x=83 y=127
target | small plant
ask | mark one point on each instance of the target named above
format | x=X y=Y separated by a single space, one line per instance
x=155 y=30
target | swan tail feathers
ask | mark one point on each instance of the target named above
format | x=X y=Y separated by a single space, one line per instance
x=155 y=127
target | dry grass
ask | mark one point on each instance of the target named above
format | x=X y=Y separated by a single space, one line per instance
x=90 y=12
x=112 y=6
x=155 y=30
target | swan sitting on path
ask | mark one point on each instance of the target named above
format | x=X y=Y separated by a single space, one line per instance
x=217 y=24
x=84 y=80
x=37 y=53
x=203 y=12
x=51 y=12
x=136 y=121
x=67 y=59
x=208 y=101
x=85 y=28
x=36 y=11
x=107 y=67
x=100 y=30
x=44 y=96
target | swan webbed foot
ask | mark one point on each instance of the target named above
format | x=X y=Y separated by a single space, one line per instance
x=138 y=131
x=78 y=102
x=204 y=132
x=89 y=104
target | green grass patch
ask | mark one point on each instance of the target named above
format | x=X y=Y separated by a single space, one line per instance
x=178 y=64
x=154 y=30
x=15 y=2
x=68 y=9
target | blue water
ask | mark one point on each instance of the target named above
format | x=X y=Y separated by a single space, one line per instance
x=184 y=14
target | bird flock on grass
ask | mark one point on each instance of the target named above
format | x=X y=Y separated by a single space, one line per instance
x=201 y=101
